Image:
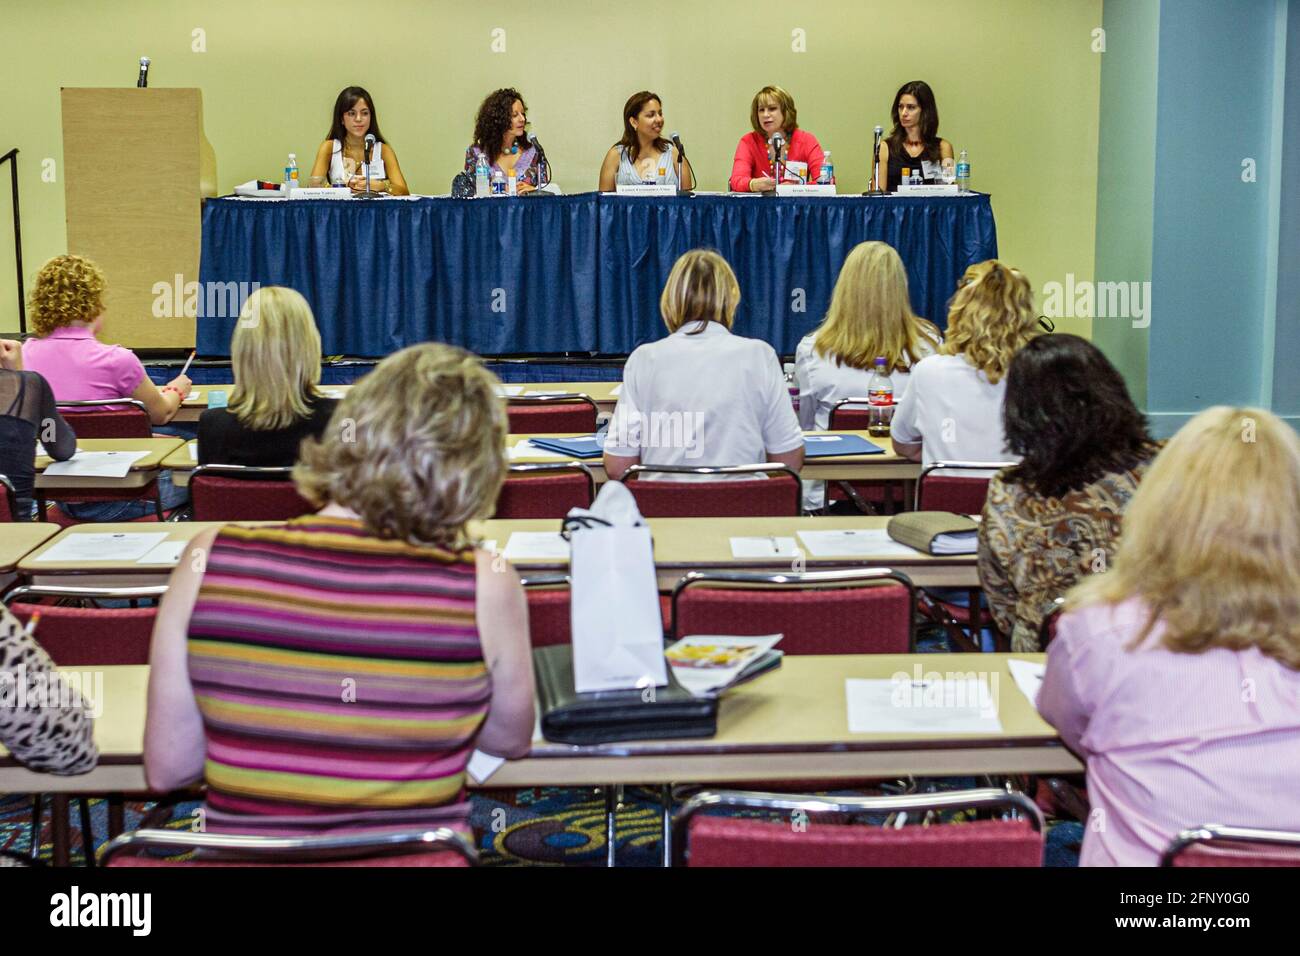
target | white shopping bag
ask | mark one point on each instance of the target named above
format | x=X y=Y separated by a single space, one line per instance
x=618 y=635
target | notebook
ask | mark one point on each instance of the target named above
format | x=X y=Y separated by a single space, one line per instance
x=586 y=446
x=829 y=446
x=935 y=532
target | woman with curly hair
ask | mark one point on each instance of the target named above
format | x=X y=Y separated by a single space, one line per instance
x=499 y=135
x=952 y=408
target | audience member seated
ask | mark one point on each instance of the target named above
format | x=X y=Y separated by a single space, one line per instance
x=1176 y=674
x=1056 y=517
x=336 y=672
x=29 y=415
x=702 y=396
x=275 y=403
x=952 y=407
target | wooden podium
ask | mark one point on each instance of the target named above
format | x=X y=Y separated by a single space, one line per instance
x=136 y=167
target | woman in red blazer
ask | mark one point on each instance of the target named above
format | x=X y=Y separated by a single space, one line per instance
x=772 y=111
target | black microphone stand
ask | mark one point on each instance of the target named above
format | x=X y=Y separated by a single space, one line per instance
x=369 y=155
x=874 y=189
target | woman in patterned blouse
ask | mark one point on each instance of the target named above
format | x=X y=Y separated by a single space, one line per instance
x=1056 y=516
x=500 y=136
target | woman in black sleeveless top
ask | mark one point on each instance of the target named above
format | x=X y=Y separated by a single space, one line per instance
x=27 y=415
x=914 y=141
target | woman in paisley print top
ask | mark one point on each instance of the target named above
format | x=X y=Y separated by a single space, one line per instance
x=1056 y=516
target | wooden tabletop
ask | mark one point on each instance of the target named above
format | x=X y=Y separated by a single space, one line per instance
x=790 y=724
x=141 y=473
x=20 y=538
x=196 y=403
x=182 y=461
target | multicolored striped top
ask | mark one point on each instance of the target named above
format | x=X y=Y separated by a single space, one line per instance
x=340 y=679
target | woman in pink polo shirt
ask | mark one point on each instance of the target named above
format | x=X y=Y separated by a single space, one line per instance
x=773 y=112
x=1176 y=673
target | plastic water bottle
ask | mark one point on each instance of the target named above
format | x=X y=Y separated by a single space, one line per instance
x=963 y=173
x=827 y=175
x=291 y=171
x=481 y=185
x=880 y=391
x=498 y=183
x=917 y=179
x=792 y=386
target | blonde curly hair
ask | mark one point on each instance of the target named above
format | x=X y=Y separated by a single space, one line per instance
x=68 y=289
x=416 y=448
x=990 y=318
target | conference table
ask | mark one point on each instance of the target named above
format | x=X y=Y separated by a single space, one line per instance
x=142 y=471
x=564 y=274
x=19 y=539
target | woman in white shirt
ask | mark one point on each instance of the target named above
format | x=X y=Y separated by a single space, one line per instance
x=342 y=155
x=702 y=396
x=952 y=407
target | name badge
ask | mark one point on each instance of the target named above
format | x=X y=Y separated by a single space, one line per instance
x=794 y=172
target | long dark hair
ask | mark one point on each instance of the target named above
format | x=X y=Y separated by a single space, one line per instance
x=1069 y=416
x=494 y=119
x=929 y=124
x=631 y=142
x=346 y=100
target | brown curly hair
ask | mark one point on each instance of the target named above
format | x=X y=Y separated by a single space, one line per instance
x=416 y=448
x=68 y=289
x=494 y=119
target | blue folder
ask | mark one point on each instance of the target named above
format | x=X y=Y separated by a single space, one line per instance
x=832 y=446
x=585 y=447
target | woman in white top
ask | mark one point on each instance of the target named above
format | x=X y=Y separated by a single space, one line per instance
x=342 y=155
x=952 y=407
x=643 y=155
x=702 y=396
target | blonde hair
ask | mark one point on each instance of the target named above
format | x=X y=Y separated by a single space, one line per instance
x=990 y=318
x=68 y=289
x=871 y=313
x=1211 y=539
x=275 y=356
x=789 y=115
x=701 y=288
x=416 y=448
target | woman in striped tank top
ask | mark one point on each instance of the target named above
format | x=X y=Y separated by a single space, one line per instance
x=337 y=671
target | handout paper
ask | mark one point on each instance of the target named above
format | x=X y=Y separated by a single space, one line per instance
x=904 y=705
x=764 y=547
x=165 y=552
x=858 y=543
x=1028 y=676
x=103 y=546
x=536 y=545
x=96 y=464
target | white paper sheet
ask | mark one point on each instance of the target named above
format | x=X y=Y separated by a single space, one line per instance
x=165 y=552
x=764 y=547
x=489 y=545
x=526 y=449
x=616 y=390
x=96 y=464
x=1028 y=676
x=40 y=451
x=823 y=438
x=860 y=543
x=525 y=545
x=904 y=705
x=510 y=389
x=193 y=446
x=103 y=546
x=332 y=392
x=481 y=766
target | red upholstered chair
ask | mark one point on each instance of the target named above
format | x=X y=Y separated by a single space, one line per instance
x=779 y=495
x=543 y=414
x=852 y=611
x=8 y=500
x=548 y=609
x=237 y=493
x=943 y=487
x=440 y=847
x=1215 y=845
x=870 y=497
x=89 y=635
x=545 y=490
x=736 y=841
x=1047 y=629
x=108 y=418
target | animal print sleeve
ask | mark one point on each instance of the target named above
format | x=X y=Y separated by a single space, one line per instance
x=44 y=722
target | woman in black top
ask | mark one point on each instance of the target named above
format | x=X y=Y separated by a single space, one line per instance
x=27 y=415
x=914 y=141
x=275 y=403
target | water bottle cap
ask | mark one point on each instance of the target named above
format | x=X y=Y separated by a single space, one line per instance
x=880 y=360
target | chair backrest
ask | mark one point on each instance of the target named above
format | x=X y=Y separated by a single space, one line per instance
x=440 y=847
x=1216 y=845
x=108 y=418
x=737 y=841
x=540 y=415
x=549 y=620
x=852 y=611
x=850 y=415
x=950 y=486
x=8 y=500
x=1047 y=629
x=545 y=490
x=89 y=636
x=779 y=495
x=237 y=493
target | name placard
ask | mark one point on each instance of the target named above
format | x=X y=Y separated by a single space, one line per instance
x=319 y=192
x=645 y=189
x=805 y=189
x=934 y=189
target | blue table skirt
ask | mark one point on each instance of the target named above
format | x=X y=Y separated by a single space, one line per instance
x=576 y=273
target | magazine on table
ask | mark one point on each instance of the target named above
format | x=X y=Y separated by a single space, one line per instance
x=707 y=664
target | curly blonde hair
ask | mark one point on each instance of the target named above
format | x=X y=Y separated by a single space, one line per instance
x=68 y=289
x=990 y=318
x=416 y=448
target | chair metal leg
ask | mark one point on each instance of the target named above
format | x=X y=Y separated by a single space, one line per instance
x=666 y=804
x=59 y=830
x=87 y=831
x=116 y=815
x=38 y=814
x=611 y=805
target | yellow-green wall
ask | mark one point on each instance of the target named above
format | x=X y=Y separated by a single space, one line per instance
x=1017 y=83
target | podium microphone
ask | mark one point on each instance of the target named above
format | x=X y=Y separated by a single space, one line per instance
x=143 y=81
x=875 y=189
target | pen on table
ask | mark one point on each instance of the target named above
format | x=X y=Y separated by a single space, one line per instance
x=31 y=624
x=776 y=548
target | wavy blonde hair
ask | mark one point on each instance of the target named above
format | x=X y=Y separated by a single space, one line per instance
x=275 y=355
x=990 y=318
x=416 y=448
x=871 y=313
x=1211 y=539
x=789 y=115
x=701 y=288
x=68 y=289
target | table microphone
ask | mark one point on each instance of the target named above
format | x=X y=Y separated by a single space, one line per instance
x=143 y=81
x=873 y=189
x=369 y=153
x=543 y=165
x=681 y=180
x=777 y=142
